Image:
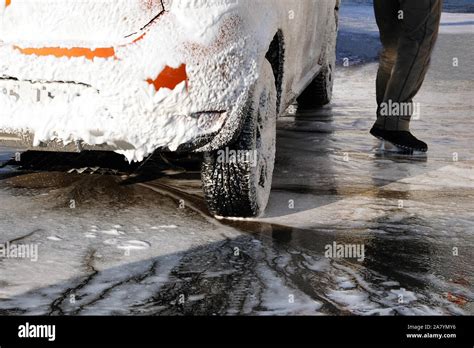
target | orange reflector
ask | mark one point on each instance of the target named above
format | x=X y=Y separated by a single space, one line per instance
x=169 y=78
x=59 y=52
x=8 y=3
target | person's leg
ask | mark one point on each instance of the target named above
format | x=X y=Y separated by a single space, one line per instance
x=419 y=31
x=386 y=14
x=419 y=26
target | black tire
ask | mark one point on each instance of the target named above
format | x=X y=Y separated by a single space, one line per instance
x=240 y=187
x=319 y=91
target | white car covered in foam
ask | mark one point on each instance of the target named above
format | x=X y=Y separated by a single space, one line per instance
x=139 y=76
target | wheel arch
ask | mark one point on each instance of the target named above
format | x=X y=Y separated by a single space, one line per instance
x=276 y=56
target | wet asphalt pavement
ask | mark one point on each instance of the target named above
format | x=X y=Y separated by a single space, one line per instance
x=139 y=240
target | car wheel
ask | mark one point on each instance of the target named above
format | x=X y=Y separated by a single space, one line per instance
x=237 y=179
x=319 y=91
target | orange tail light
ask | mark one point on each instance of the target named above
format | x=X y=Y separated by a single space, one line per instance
x=169 y=78
x=59 y=52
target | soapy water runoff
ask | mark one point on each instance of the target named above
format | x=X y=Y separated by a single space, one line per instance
x=348 y=230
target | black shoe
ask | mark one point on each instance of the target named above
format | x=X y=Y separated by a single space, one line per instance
x=401 y=139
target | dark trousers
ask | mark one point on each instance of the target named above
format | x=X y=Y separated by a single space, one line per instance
x=408 y=31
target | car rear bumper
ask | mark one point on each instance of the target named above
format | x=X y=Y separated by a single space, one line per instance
x=66 y=116
x=24 y=141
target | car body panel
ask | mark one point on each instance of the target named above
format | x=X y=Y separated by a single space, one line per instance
x=180 y=80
